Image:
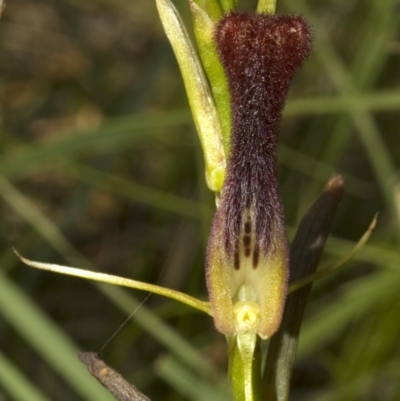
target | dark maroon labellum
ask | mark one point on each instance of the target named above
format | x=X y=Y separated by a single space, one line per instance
x=260 y=55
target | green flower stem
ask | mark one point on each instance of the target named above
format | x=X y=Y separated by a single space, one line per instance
x=244 y=353
x=120 y=281
x=236 y=370
x=246 y=344
x=266 y=6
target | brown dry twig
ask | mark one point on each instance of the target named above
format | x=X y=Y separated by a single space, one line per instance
x=110 y=379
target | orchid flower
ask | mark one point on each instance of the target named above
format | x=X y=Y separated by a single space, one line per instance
x=236 y=82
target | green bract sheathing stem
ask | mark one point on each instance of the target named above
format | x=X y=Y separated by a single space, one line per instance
x=210 y=7
x=266 y=6
x=200 y=98
x=204 y=32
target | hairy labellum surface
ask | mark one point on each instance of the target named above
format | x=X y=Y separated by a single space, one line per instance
x=260 y=55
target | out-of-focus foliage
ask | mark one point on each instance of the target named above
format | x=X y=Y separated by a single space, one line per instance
x=101 y=168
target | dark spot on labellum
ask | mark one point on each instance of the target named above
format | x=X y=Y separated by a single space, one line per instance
x=247 y=241
x=256 y=257
x=247 y=252
x=247 y=227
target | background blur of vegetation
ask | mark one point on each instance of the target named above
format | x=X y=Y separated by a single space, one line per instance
x=100 y=168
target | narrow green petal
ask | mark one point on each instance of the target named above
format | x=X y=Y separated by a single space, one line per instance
x=199 y=94
x=120 y=281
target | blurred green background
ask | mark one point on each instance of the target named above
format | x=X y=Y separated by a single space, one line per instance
x=101 y=168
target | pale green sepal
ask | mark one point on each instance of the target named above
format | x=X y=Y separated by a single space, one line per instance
x=211 y=8
x=228 y=5
x=204 y=30
x=199 y=94
x=266 y=7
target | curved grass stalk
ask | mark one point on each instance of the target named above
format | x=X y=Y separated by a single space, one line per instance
x=330 y=269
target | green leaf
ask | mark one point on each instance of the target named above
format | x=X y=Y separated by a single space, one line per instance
x=48 y=340
x=305 y=254
x=19 y=387
x=186 y=382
